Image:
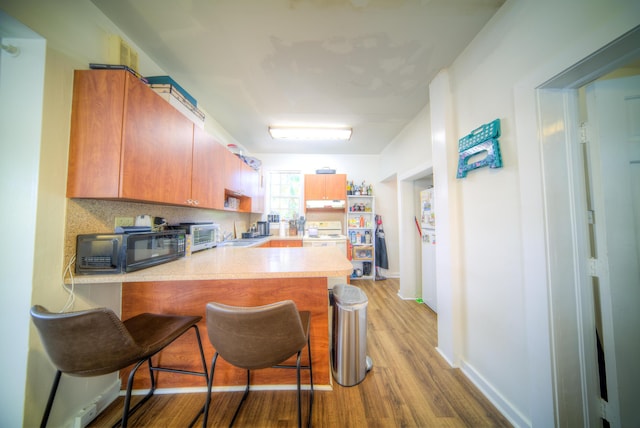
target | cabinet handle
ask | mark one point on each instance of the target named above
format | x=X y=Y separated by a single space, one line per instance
x=196 y=202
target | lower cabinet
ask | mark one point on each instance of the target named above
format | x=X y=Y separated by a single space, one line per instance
x=286 y=243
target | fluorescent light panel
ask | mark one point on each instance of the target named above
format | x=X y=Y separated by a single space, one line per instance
x=309 y=133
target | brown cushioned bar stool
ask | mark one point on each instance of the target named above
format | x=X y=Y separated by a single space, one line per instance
x=95 y=342
x=256 y=338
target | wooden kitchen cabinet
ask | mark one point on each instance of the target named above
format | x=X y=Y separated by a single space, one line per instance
x=233 y=182
x=325 y=187
x=285 y=243
x=207 y=181
x=257 y=191
x=244 y=183
x=127 y=142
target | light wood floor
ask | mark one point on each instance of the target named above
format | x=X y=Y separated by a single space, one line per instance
x=410 y=385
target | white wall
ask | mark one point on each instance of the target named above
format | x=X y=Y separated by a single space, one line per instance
x=491 y=326
x=21 y=88
x=406 y=159
x=496 y=330
x=36 y=110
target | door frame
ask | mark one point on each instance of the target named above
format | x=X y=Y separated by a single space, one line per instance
x=554 y=238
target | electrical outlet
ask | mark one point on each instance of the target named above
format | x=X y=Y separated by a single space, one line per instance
x=124 y=221
x=85 y=416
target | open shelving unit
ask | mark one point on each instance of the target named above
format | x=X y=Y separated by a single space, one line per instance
x=361 y=229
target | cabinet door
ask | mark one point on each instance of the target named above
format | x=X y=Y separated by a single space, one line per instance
x=336 y=187
x=285 y=243
x=232 y=172
x=157 y=145
x=96 y=131
x=257 y=193
x=314 y=187
x=207 y=186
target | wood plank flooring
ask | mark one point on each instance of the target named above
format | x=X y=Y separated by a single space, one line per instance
x=410 y=385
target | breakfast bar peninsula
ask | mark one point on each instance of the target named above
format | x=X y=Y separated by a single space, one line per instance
x=240 y=277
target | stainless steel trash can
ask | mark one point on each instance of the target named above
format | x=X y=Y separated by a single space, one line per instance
x=349 y=361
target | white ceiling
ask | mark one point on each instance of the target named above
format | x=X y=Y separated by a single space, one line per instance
x=365 y=64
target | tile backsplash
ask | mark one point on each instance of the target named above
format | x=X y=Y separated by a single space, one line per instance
x=98 y=216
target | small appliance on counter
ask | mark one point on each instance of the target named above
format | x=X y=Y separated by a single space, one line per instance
x=251 y=233
x=204 y=235
x=274 y=222
x=115 y=253
x=263 y=228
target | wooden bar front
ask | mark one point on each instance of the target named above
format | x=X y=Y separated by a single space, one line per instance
x=189 y=297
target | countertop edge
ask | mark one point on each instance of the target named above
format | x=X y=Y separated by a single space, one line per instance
x=232 y=264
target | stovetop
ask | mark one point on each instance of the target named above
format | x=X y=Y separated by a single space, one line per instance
x=324 y=230
x=328 y=236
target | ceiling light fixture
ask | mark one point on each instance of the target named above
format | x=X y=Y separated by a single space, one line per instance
x=309 y=133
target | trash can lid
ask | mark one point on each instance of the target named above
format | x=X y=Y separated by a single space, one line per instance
x=347 y=295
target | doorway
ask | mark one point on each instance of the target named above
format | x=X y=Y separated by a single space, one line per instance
x=591 y=192
x=409 y=186
x=611 y=130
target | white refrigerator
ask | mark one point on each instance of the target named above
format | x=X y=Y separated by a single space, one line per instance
x=428 y=224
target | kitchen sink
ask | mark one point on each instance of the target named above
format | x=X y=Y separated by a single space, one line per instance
x=240 y=243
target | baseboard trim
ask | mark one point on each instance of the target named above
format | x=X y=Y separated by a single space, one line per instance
x=203 y=389
x=103 y=401
x=512 y=414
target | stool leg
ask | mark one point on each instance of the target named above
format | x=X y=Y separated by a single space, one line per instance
x=244 y=396
x=299 y=391
x=204 y=361
x=205 y=417
x=52 y=395
x=310 y=381
x=127 y=398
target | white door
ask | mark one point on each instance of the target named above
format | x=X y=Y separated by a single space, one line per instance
x=429 y=288
x=613 y=109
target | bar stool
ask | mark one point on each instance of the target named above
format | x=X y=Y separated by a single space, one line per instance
x=95 y=342
x=259 y=337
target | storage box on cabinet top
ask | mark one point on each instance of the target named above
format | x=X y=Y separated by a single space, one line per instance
x=166 y=80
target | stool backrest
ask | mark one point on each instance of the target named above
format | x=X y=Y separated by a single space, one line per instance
x=255 y=337
x=85 y=343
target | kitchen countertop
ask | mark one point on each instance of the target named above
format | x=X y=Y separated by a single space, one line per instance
x=238 y=263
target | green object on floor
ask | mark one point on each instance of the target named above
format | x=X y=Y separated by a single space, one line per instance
x=419 y=301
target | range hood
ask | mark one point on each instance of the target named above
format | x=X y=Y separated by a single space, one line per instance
x=327 y=204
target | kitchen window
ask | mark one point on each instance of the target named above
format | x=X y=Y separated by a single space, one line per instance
x=285 y=194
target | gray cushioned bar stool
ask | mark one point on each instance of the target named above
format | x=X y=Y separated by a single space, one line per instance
x=95 y=342
x=256 y=338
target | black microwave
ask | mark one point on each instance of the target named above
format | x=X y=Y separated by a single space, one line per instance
x=122 y=252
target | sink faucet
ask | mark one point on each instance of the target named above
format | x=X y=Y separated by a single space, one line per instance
x=226 y=236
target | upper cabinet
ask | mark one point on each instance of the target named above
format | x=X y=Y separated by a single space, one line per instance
x=325 y=187
x=243 y=184
x=207 y=180
x=127 y=142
